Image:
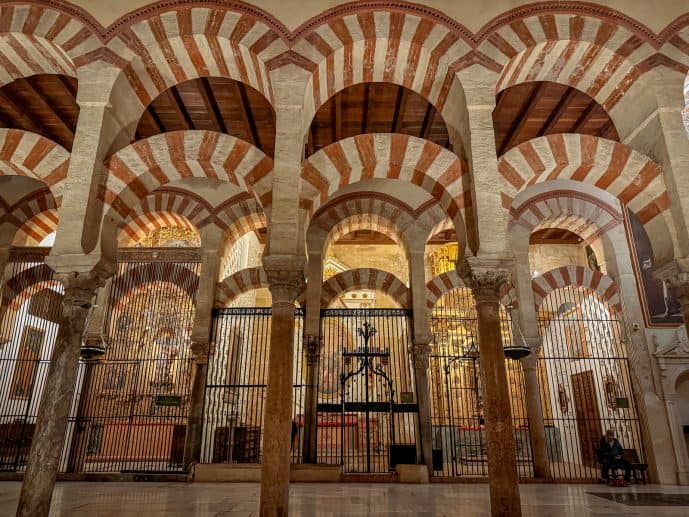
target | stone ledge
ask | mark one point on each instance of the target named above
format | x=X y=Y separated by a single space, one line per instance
x=316 y=473
x=412 y=473
x=251 y=472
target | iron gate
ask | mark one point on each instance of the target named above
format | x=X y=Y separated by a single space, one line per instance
x=134 y=401
x=29 y=310
x=236 y=386
x=367 y=412
x=585 y=381
x=458 y=428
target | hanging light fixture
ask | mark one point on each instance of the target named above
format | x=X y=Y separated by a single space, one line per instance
x=517 y=347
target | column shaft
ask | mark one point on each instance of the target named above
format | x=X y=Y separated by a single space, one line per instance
x=534 y=411
x=194 y=436
x=313 y=348
x=51 y=422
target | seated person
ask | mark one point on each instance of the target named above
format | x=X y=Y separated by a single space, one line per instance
x=609 y=455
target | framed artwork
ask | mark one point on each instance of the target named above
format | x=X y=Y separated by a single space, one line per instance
x=660 y=307
x=28 y=358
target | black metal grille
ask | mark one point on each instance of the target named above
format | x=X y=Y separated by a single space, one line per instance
x=236 y=386
x=459 y=439
x=134 y=403
x=367 y=408
x=29 y=310
x=585 y=381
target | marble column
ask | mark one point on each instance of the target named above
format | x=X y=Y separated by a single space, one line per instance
x=485 y=276
x=285 y=276
x=313 y=349
x=92 y=350
x=534 y=410
x=422 y=339
x=51 y=422
x=211 y=257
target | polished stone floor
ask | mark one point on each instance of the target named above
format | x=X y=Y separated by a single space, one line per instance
x=224 y=500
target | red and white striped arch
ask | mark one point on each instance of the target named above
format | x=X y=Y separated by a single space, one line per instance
x=364 y=278
x=583 y=214
x=630 y=176
x=29 y=219
x=137 y=228
x=35 y=39
x=578 y=276
x=144 y=166
x=136 y=280
x=37 y=228
x=359 y=222
x=179 y=44
x=440 y=285
x=238 y=216
x=391 y=156
x=26 y=283
x=418 y=50
x=241 y=282
x=23 y=153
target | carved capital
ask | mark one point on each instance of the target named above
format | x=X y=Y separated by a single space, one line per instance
x=485 y=276
x=80 y=289
x=199 y=348
x=675 y=274
x=422 y=356
x=285 y=277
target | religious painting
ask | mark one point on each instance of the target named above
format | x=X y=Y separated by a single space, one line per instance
x=28 y=358
x=659 y=305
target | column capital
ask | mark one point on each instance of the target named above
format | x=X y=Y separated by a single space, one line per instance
x=80 y=288
x=675 y=274
x=485 y=276
x=200 y=348
x=422 y=356
x=285 y=276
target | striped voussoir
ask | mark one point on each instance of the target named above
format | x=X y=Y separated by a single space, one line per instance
x=381 y=155
x=364 y=278
x=440 y=285
x=35 y=39
x=405 y=48
x=32 y=217
x=578 y=276
x=359 y=222
x=630 y=176
x=144 y=166
x=592 y=54
x=22 y=286
x=181 y=44
x=140 y=226
x=135 y=280
x=580 y=213
x=23 y=153
x=239 y=283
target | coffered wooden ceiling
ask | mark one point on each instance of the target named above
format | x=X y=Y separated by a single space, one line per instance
x=535 y=109
x=43 y=104
x=375 y=108
x=214 y=104
x=554 y=236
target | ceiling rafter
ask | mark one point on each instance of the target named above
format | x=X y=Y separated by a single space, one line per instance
x=181 y=109
x=212 y=105
x=400 y=106
x=245 y=107
x=521 y=119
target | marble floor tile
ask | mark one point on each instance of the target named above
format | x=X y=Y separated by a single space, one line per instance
x=350 y=500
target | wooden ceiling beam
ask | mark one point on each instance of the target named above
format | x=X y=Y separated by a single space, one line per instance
x=427 y=121
x=212 y=105
x=68 y=85
x=47 y=105
x=20 y=118
x=521 y=119
x=181 y=109
x=562 y=106
x=247 y=114
x=364 y=114
x=337 y=117
x=400 y=107
x=585 y=116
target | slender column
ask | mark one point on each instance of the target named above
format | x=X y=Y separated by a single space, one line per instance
x=534 y=410
x=5 y=328
x=313 y=350
x=51 y=423
x=421 y=349
x=200 y=338
x=485 y=276
x=285 y=274
x=91 y=352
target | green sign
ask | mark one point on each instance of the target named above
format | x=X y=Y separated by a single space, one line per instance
x=407 y=397
x=622 y=402
x=168 y=400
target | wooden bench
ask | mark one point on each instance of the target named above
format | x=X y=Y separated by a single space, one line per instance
x=638 y=469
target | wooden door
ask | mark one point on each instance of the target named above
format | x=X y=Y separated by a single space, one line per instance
x=221 y=445
x=587 y=415
x=179 y=434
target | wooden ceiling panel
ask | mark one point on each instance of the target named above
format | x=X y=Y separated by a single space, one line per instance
x=213 y=104
x=534 y=109
x=43 y=104
x=375 y=108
